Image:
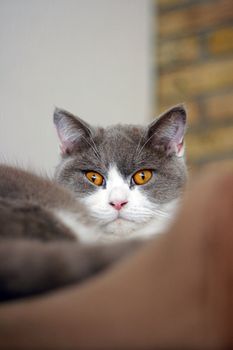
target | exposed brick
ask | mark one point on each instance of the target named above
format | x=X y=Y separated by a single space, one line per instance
x=226 y=163
x=192 y=110
x=195 y=51
x=209 y=143
x=195 y=18
x=221 y=41
x=220 y=107
x=178 y=51
x=194 y=80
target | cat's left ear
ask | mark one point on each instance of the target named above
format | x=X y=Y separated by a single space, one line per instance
x=167 y=132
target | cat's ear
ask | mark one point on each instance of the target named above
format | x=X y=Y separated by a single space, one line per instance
x=167 y=132
x=71 y=130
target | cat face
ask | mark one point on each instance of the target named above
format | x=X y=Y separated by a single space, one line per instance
x=126 y=175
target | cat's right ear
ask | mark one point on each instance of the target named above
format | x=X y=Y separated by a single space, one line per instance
x=71 y=130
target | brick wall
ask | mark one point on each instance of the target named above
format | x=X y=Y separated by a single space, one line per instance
x=195 y=65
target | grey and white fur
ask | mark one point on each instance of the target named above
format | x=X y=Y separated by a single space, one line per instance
x=61 y=231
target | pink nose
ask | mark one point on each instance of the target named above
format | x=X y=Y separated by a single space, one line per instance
x=118 y=204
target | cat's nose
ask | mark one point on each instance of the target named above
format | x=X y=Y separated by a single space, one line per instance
x=118 y=205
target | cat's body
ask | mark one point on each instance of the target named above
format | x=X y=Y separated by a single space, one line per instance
x=40 y=251
x=112 y=184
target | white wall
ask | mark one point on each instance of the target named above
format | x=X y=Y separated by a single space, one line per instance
x=88 y=56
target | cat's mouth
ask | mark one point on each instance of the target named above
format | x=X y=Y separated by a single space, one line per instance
x=121 y=218
x=117 y=218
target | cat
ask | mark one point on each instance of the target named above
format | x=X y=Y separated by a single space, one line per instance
x=129 y=177
x=111 y=187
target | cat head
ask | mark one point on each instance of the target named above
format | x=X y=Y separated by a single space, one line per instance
x=125 y=174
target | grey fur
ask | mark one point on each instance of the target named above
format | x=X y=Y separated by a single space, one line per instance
x=130 y=147
x=37 y=251
x=29 y=267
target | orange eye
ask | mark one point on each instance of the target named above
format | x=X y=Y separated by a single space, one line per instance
x=141 y=177
x=95 y=178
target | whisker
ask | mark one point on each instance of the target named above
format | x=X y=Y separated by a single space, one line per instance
x=162 y=214
x=94 y=145
x=94 y=150
x=139 y=142
x=144 y=212
x=145 y=143
x=93 y=142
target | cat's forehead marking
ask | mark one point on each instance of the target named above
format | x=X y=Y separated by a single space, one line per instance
x=118 y=146
x=115 y=179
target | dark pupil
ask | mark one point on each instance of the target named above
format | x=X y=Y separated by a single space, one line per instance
x=142 y=175
x=93 y=178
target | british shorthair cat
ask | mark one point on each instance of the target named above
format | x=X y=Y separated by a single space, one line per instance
x=113 y=188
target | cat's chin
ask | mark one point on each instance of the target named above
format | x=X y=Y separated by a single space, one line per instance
x=124 y=229
x=120 y=228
